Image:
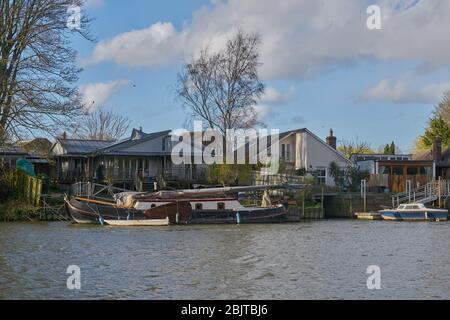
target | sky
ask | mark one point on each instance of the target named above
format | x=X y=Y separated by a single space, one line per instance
x=322 y=66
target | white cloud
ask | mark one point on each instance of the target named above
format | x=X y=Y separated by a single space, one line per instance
x=96 y=94
x=273 y=96
x=263 y=112
x=300 y=37
x=402 y=92
x=152 y=46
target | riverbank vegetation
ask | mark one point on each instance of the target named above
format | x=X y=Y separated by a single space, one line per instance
x=13 y=205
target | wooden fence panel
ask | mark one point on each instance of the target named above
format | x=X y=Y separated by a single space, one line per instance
x=27 y=188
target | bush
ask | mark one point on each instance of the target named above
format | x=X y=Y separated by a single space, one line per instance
x=16 y=210
x=6 y=192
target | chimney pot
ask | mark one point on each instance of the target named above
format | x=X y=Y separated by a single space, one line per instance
x=331 y=140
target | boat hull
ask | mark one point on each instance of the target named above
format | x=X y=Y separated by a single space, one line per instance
x=89 y=213
x=432 y=215
x=259 y=215
x=84 y=212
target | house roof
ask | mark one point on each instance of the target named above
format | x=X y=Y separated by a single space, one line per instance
x=13 y=150
x=82 y=147
x=428 y=155
x=286 y=134
x=118 y=147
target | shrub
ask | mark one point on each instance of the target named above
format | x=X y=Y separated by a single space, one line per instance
x=16 y=210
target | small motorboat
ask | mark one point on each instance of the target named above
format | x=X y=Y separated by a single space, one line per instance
x=137 y=223
x=414 y=212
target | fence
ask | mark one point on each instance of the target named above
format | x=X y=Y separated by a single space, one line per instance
x=28 y=188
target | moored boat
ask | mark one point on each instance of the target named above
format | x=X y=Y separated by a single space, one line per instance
x=207 y=206
x=91 y=211
x=414 y=212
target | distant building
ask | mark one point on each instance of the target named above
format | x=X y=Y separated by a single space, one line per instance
x=9 y=156
x=143 y=158
x=439 y=156
x=35 y=151
x=302 y=150
x=391 y=172
x=73 y=159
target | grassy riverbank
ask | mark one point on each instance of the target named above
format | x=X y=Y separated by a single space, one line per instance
x=17 y=210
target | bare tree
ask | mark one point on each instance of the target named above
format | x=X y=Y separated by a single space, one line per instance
x=222 y=88
x=348 y=148
x=103 y=125
x=37 y=66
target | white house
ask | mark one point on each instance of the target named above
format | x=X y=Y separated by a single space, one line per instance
x=303 y=150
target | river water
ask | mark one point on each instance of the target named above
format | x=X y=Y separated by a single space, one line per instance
x=325 y=259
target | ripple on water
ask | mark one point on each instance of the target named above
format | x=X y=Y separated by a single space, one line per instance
x=309 y=260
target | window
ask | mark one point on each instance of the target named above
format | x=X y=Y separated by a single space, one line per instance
x=397 y=171
x=164 y=144
x=288 y=152
x=321 y=175
x=422 y=170
x=198 y=206
x=221 y=206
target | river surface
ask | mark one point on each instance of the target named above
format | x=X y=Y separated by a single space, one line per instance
x=325 y=259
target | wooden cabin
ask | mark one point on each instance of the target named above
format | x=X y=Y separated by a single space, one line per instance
x=135 y=162
x=390 y=173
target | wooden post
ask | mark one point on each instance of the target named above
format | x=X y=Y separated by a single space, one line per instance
x=322 y=200
x=439 y=191
x=303 y=205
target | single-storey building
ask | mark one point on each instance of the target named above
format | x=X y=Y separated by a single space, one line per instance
x=34 y=151
x=391 y=172
x=139 y=160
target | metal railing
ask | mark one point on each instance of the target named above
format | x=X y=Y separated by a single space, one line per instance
x=95 y=191
x=433 y=191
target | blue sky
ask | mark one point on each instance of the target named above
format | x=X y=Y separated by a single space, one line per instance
x=321 y=65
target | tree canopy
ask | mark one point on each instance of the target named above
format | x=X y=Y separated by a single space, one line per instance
x=102 y=125
x=38 y=73
x=349 y=148
x=222 y=88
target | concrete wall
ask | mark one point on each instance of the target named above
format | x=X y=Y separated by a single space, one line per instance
x=345 y=205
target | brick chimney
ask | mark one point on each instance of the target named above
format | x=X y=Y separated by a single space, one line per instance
x=437 y=150
x=331 y=140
